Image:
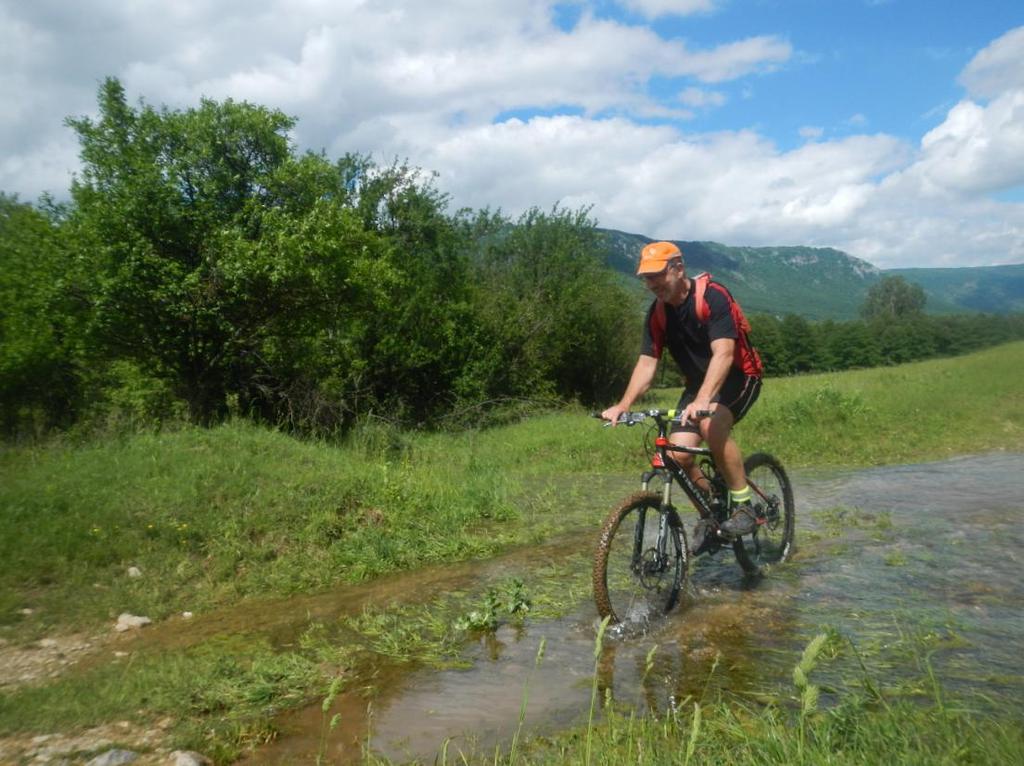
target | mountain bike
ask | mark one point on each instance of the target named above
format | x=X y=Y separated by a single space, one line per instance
x=642 y=557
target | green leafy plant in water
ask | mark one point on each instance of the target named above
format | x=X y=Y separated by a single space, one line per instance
x=406 y=634
x=516 y=601
x=483 y=619
x=511 y=599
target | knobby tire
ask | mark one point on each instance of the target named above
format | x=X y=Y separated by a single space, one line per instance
x=622 y=593
x=772 y=542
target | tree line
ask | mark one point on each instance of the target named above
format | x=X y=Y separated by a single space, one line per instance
x=204 y=268
x=893 y=329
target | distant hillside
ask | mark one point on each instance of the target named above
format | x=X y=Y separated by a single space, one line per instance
x=992 y=289
x=823 y=283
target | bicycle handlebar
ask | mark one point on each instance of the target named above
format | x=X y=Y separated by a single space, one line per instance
x=633 y=418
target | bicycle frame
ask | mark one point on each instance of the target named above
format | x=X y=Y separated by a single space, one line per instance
x=665 y=465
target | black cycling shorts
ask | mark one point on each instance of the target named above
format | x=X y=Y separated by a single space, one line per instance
x=738 y=393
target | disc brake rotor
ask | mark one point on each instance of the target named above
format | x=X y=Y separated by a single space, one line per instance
x=652 y=569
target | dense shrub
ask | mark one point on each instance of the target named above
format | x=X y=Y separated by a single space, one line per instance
x=205 y=267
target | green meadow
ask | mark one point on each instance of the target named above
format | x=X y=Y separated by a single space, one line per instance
x=213 y=517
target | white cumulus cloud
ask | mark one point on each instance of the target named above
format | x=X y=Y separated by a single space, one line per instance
x=513 y=110
x=655 y=8
x=998 y=68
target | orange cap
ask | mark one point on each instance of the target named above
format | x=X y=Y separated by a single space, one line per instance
x=655 y=257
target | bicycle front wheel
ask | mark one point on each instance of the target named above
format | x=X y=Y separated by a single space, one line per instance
x=770 y=542
x=641 y=560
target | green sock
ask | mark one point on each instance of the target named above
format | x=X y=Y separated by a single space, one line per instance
x=740 y=496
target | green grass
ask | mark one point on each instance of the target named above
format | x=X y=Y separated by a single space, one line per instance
x=213 y=517
x=860 y=724
x=220 y=694
x=855 y=732
x=914 y=412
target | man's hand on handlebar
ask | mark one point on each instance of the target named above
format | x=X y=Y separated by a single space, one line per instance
x=696 y=411
x=613 y=413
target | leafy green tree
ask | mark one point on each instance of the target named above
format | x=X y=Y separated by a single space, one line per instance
x=906 y=339
x=766 y=335
x=555 y=321
x=802 y=350
x=39 y=382
x=420 y=352
x=847 y=345
x=893 y=297
x=209 y=241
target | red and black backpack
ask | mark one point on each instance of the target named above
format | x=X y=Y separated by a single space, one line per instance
x=746 y=357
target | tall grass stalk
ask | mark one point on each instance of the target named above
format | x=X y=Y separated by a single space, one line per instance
x=328 y=726
x=598 y=646
x=369 y=733
x=526 y=696
x=711 y=673
x=808 y=691
x=691 y=743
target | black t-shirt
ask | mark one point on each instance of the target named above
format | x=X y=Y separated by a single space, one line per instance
x=688 y=340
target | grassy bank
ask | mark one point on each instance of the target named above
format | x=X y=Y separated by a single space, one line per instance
x=859 y=724
x=212 y=517
x=861 y=727
x=855 y=733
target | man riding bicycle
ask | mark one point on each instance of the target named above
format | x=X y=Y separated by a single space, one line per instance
x=706 y=335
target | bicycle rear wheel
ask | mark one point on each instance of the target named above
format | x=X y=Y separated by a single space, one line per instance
x=770 y=542
x=633 y=579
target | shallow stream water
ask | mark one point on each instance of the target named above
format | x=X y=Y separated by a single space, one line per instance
x=900 y=562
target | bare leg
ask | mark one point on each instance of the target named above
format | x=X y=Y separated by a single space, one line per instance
x=717 y=433
x=729 y=459
x=688 y=464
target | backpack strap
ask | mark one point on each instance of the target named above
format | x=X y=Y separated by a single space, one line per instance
x=658 y=325
x=700 y=304
x=746 y=357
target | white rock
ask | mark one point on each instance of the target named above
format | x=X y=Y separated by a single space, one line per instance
x=187 y=615
x=134 y=572
x=47 y=643
x=113 y=758
x=130 y=622
x=188 y=758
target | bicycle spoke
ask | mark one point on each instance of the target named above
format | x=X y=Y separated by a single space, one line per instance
x=771 y=542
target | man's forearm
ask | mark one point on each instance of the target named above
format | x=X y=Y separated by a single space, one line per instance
x=639 y=381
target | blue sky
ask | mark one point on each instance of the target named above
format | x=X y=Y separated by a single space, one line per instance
x=859 y=66
x=891 y=129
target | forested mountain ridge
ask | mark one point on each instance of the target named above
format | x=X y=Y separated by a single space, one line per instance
x=824 y=283
x=995 y=289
